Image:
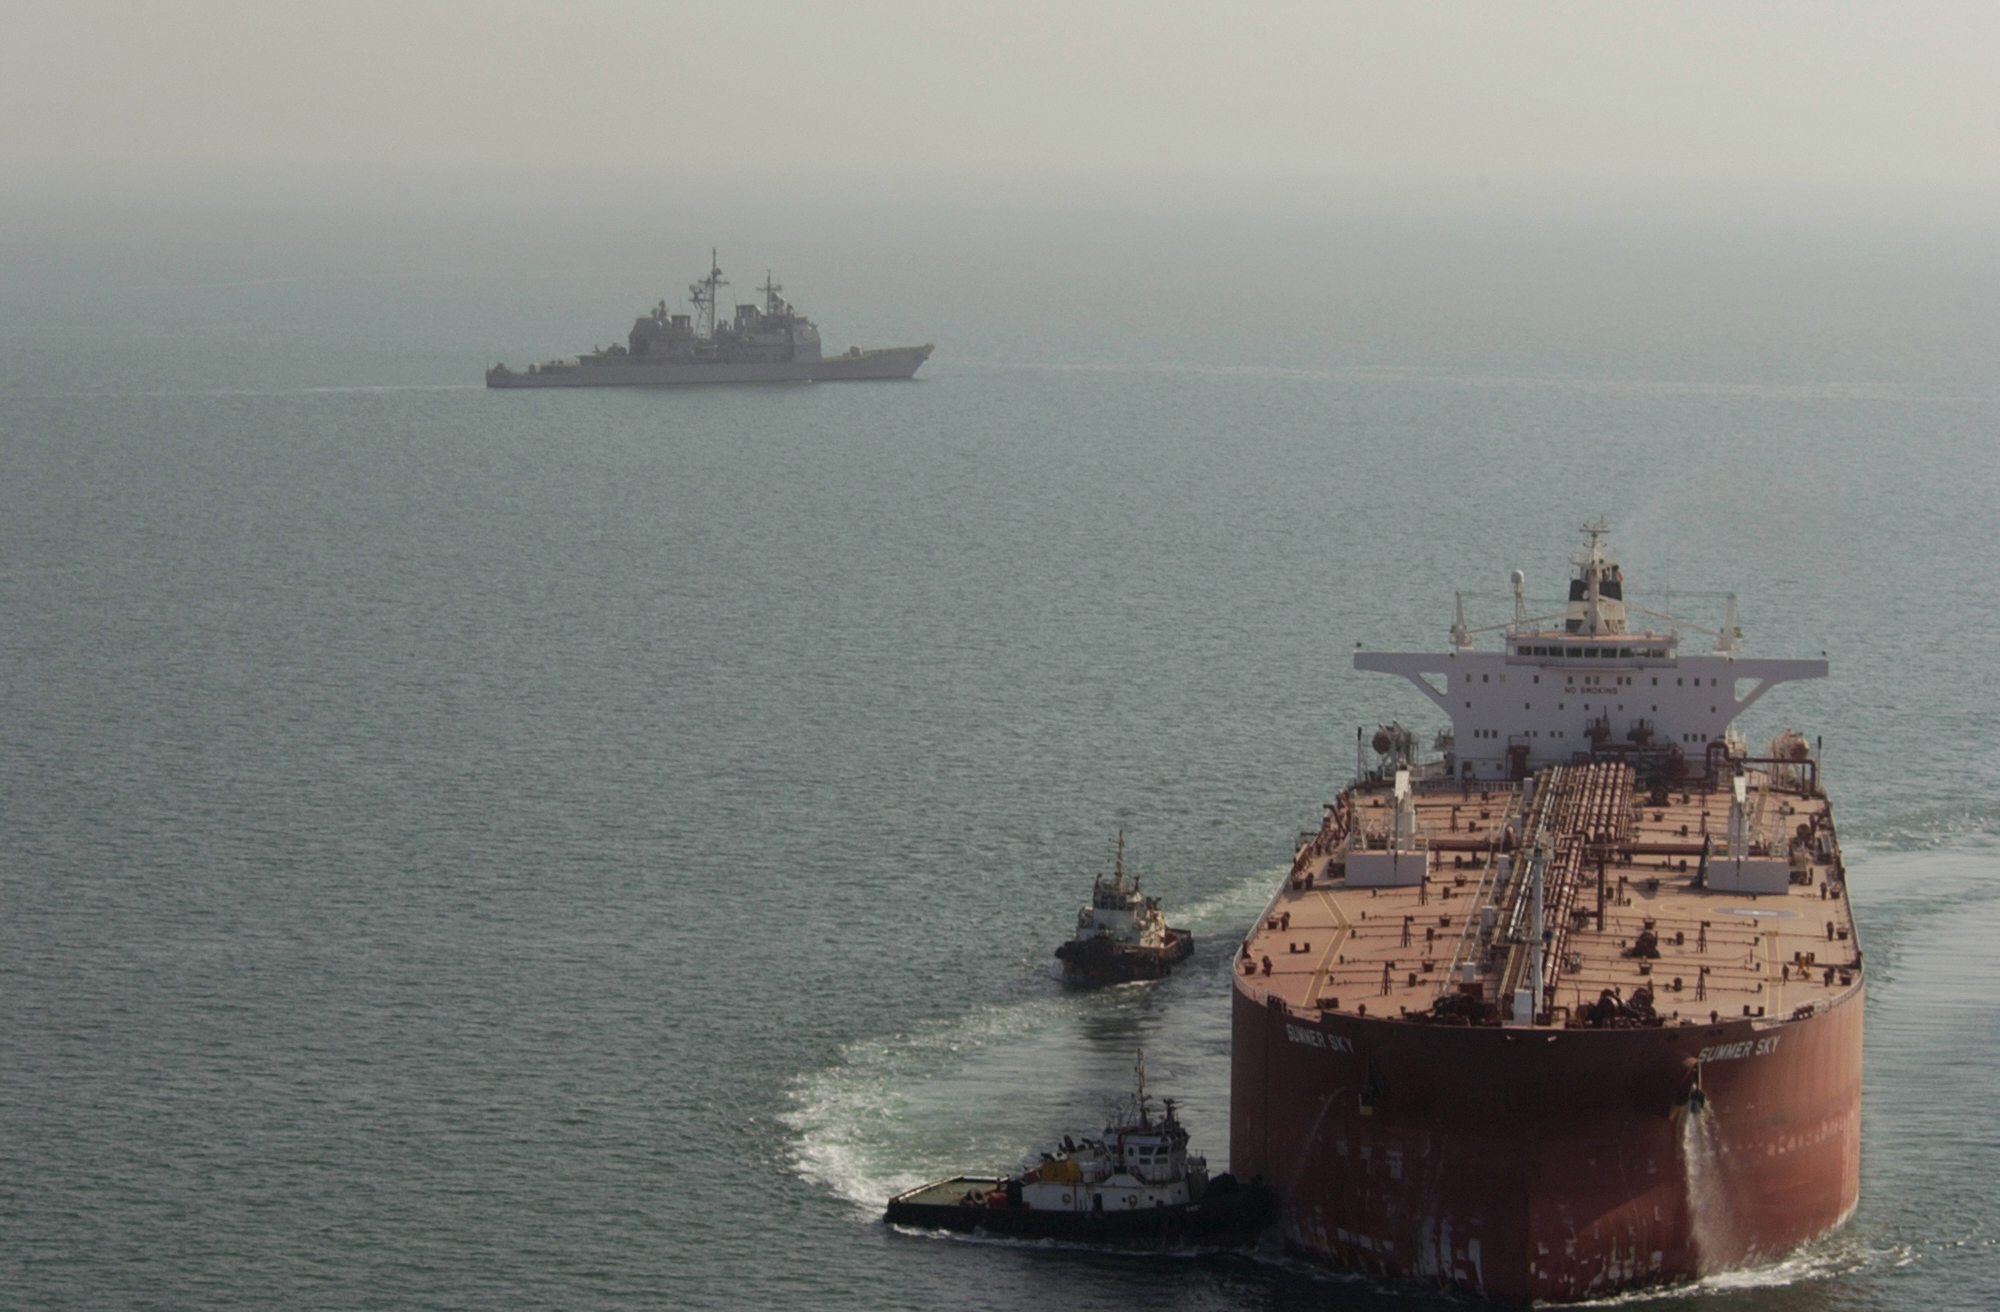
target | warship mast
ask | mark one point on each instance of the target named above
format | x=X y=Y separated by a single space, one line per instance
x=705 y=295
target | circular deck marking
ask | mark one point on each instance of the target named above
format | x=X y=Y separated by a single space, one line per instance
x=1757 y=913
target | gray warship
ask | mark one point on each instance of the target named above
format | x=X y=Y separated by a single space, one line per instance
x=773 y=343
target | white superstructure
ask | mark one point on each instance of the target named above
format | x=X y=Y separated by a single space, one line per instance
x=1585 y=678
x=1141 y=1162
x=1118 y=911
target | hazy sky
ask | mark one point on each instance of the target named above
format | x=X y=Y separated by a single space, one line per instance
x=1889 y=93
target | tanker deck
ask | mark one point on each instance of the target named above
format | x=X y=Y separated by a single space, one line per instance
x=1390 y=951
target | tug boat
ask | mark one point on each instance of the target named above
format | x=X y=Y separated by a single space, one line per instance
x=1137 y=1186
x=1121 y=935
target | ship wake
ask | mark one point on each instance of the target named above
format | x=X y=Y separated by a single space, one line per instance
x=967 y=1094
x=1830 y=1258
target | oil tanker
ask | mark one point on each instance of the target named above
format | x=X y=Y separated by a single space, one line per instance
x=1570 y=1003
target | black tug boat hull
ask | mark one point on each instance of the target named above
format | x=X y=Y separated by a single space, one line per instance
x=1231 y=1219
x=1093 y=962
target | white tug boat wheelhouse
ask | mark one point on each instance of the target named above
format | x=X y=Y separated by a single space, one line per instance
x=1142 y=1161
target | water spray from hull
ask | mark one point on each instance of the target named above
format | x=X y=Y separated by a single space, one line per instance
x=1711 y=1226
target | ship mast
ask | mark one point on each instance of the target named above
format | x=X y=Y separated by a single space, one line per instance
x=772 y=305
x=705 y=295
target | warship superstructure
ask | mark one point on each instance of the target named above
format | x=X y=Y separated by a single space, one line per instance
x=768 y=343
x=1572 y=1004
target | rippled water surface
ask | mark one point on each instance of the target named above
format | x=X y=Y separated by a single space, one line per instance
x=473 y=849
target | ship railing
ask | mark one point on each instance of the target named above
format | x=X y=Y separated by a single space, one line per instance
x=1447 y=784
x=1757 y=824
x=1380 y=839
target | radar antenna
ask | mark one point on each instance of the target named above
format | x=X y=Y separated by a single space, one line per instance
x=706 y=294
x=1595 y=567
x=772 y=303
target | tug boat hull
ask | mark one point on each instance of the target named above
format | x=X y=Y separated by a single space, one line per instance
x=1095 y=962
x=1223 y=1218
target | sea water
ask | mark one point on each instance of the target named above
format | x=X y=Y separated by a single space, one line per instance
x=588 y=849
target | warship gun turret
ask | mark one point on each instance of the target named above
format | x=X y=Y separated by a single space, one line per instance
x=767 y=343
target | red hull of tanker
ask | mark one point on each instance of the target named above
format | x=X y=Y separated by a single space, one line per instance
x=1547 y=1164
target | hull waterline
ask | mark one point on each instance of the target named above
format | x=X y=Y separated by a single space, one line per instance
x=1548 y=1164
